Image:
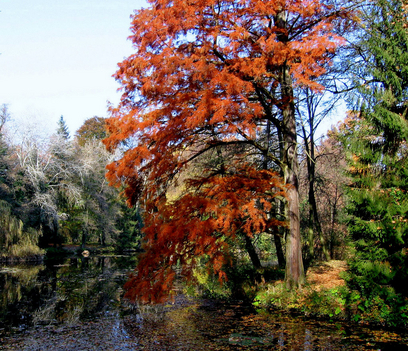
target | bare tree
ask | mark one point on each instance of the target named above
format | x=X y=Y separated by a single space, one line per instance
x=314 y=108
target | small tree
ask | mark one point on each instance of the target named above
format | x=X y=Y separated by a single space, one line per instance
x=62 y=130
x=92 y=128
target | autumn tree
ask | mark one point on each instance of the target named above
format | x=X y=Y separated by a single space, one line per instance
x=92 y=128
x=207 y=75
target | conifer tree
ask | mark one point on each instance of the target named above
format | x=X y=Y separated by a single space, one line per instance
x=62 y=129
x=376 y=140
x=207 y=75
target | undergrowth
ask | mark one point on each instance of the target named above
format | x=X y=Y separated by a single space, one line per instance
x=340 y=303
x=266 y=289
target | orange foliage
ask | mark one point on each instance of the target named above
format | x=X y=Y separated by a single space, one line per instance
x=200 y=223
x=206 y=74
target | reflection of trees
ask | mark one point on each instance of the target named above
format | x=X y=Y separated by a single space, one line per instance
x=75 y=289
x=84 y=289
x=14 y=280
x=19 y=294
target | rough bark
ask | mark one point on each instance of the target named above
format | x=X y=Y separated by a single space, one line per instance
x=294 y=273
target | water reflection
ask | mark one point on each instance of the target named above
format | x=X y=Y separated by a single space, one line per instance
x=62 y=291
x=75 y=303
x=214 y=326
x=17 y=283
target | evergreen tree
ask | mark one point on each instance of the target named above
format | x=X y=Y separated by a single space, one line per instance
x=62 y=129
x=129 y=225
x=375 y=138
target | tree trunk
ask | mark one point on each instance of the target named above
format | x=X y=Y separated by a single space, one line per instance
x=84 y=237
x=85 y=231
x=279 y=250
x=249 y=246
x=294 y=274
x=280 y=213
x=314 y=222
x=278 y=204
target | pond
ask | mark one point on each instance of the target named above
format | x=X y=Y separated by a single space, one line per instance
x=76 y=303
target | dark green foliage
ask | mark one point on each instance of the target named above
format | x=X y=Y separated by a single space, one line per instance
x=3 y=162
x=375 y=139
x=15 y=240
x=129 y=225
x=6 y=180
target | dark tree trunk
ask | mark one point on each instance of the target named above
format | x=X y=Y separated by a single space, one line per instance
x=84 y=236
x=249 y=246
x=313 y=221
x=279 y=250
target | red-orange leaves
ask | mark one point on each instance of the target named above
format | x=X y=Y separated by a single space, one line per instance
x=200 y=223
x=202 y=104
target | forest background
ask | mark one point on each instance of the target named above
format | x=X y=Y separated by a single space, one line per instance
x=221 y=159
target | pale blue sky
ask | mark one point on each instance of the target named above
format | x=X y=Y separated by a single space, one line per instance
x=58 y=56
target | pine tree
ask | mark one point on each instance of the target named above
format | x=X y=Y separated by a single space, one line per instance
x=62 y=129
x=375 y=138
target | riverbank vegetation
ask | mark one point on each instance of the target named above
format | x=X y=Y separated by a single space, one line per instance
x=217 y=170
x=328 y=294
x=54 y=193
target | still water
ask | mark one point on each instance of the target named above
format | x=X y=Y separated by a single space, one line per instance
x=76 y=304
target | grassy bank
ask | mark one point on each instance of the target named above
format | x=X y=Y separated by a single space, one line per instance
x=325 y=295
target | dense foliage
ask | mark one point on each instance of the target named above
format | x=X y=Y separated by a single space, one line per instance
x=374 y=139
x=207 y=76
x=53 y=192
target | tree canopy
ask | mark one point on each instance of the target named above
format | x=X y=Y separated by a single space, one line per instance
x=207 y=76
x=92 y=128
